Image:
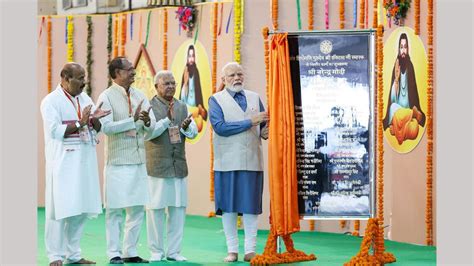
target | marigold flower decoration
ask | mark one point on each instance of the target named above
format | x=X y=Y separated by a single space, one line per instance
x=397 y=10
x=186 y=17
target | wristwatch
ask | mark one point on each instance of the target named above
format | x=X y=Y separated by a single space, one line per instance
x=78 y=125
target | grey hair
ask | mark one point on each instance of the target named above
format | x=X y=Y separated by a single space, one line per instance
x=230 y=64
x=161 y=74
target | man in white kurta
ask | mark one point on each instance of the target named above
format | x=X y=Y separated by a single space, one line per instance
x=72 y=180
x=126 y=185
x=167 y=169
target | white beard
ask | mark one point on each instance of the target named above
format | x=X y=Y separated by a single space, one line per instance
x=237 y=88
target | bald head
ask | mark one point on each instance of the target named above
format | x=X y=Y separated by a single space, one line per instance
x=233 y=76
x=73 y=78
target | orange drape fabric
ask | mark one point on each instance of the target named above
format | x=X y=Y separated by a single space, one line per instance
x=284 y=216
x=282 y=154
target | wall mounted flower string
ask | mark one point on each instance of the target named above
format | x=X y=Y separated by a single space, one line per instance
x=326 y=13
x=116 y=36
x=237 y=29
x=89 y=60
x=397 y=10
x=147 y=28
x=310 y=14
x=362 y=14
x=429 y=126
x=356 y=228
x=165 y=38
x=109 y=44
x=123 y=34
x=417 y=17
x=298 y=11
x=274 y=7
x=213 y=82
x=70 y=39
x=342 y=12
x=49 y=54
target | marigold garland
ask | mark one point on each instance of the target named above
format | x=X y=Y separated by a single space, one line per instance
x=342 y=223
x=237 y=29
x=116 y=40
x=312 y=225
x=417 y=17
x=429 y=126
x=275 y=14
x=213 y=80
x=375 y=18
x=342 y=12
x=310 y=14
x=123 y=35
x=356 y=228
x=70 y=39
x=89 y=55
x=165 y=38
x=362 y=14
x=372 y=232
x=265 y=32
x=109 y=44
x=49 y=52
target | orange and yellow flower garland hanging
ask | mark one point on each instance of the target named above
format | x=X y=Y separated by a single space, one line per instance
x=214 y=82
x=123 y=35
x=429 y=126
x=70 y=39
x=417 y=17
x=49 y=52
x=362 y=14
x=310 y=14
x=237 y=29
x=356 y=228
x=341 y=14
x=116 y=41
x=165 y=38
x=275 y=14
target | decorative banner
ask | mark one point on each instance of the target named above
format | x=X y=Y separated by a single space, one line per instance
x=145 y=73
x=334 y=107
x=405 y=94
x=192 y=72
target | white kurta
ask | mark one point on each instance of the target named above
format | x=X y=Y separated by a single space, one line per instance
x=171 y=191
x=125 y=185
x=72 y=180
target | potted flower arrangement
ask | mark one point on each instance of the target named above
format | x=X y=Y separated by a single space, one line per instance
x=186 y=16
x=397 y=10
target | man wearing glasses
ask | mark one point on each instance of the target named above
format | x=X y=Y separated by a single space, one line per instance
x=126 y=187
x=167 y=169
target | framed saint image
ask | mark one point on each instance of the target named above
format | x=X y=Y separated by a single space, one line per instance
x=333 y=85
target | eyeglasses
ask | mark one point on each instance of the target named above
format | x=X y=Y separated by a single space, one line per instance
x=128 y=69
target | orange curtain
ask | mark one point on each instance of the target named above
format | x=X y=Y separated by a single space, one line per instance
x=282 y=154
x=284 y=216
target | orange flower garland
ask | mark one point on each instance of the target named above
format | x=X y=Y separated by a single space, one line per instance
x=165 y=40
x=417 y=17
x=310 y=14
x=265 y=32
x=275 y=14
x=123 y=35
x=429 y=126
x=342 y=223
x=312 y=224
x=49 y=52
x=375 y=18
x=341 y=14
x=362 y=14
x=356 y=228
x=116 y=41
x=213 y=79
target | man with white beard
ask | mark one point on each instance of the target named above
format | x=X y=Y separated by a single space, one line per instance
x=238 y=119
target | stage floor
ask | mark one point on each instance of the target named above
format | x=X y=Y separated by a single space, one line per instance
x=204 y=244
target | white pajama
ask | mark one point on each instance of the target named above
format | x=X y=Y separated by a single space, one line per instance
x=133 y=221
x=63 y=237
x=156 y=228
x=229 y=222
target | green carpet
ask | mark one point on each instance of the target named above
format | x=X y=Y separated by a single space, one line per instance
x=204 y=244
